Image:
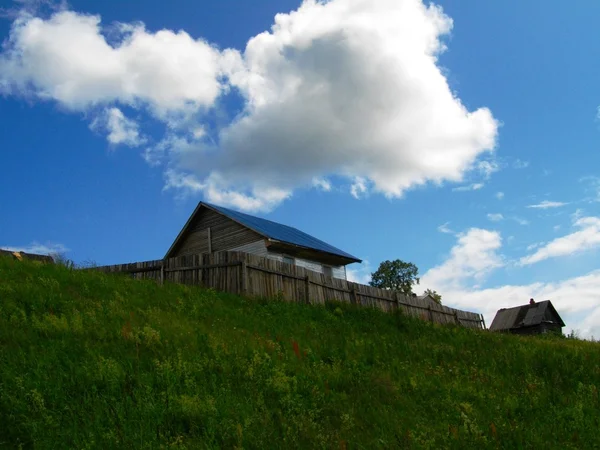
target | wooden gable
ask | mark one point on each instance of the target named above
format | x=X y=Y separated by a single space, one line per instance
x=208 y=231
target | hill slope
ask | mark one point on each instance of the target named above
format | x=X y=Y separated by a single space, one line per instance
x=89 y=360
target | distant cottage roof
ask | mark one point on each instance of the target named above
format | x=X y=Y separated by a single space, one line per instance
x=273 y=231
x=525 y=316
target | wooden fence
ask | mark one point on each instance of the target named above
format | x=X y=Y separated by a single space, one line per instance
x=251 y=275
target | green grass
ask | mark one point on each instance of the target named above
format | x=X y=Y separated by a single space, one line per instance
x=89 y=360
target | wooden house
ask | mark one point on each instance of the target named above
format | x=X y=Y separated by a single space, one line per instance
x=28 y=256
x=212 y=228
x=533 y=318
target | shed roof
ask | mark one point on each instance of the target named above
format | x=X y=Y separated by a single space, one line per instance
x=274 y=231
x=525 y=316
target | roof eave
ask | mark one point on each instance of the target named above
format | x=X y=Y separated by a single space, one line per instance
x=562 y=323
x=351 y=259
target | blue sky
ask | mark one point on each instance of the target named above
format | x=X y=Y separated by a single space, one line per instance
x=461 y=136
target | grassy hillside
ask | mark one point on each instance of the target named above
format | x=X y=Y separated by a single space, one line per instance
x=89 y=360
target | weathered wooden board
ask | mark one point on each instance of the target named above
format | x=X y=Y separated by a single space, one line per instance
x=256 y=276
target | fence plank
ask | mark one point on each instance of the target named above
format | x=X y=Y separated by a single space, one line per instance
x=259 y=276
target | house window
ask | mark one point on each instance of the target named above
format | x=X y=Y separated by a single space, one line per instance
x=288 y=260
x=328 y=271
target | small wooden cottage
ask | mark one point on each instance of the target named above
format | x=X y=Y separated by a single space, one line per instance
x=533 y=318
x=212 y=228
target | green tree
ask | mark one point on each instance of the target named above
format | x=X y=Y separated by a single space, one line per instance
x=395 y=275
x=437 y=297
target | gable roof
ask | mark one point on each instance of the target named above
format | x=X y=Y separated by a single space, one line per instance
x=270 y=230
x=525 y=316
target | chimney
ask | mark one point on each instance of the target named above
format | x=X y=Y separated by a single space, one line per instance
x=531 y=301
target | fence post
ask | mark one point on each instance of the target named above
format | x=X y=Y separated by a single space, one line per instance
x=353 y=299
x=307 y=289
x=430 y=314
x=456 y=317
x=162 y=272
x=483 y=321
x=244 y=280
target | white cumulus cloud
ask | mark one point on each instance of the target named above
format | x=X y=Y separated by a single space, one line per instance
x=359 y=188
x=473 y=257
x=347 y=88
x=67 y=58
x=359 y=273
x=322 y=184
x=476 y=256
x=586 y=238
x=216 y=191
x=120 y=129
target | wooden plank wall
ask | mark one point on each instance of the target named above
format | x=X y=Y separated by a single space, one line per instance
x=225 y=234
x=256 y=276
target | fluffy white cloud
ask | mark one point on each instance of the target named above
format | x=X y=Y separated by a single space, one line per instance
x=120 y=129
x=546 y=204
x=495 y=217
x=359 y=273
x=322 y=184
x=476 y=255
x=487 y=168
x=37 y=248
x=359 y=187
x=350 y=88
x=261 y=198
x=586 y=238
x=576 y=300
x=473 y=257
x=68 y=59
x=469 y=187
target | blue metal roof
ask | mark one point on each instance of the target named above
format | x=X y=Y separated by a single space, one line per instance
x=279 y=232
